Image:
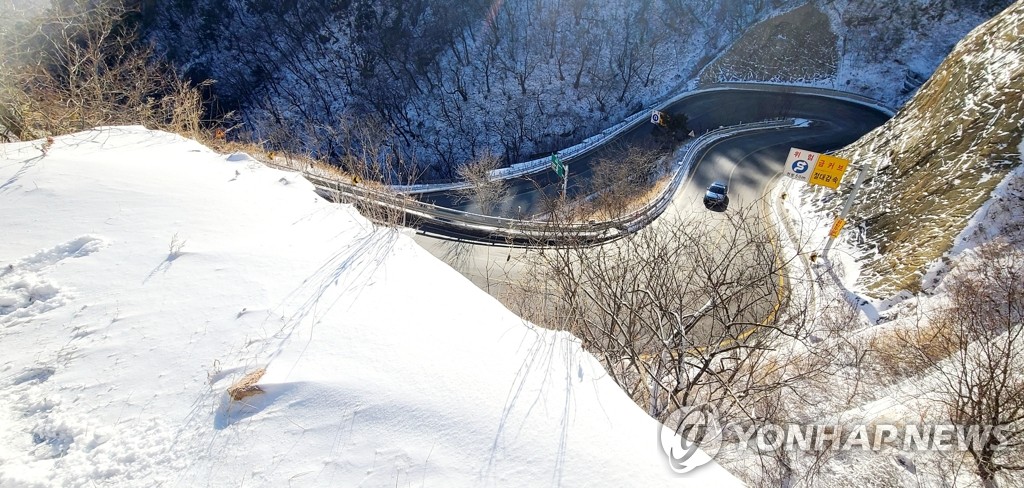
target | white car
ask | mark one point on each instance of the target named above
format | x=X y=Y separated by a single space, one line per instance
x=717 y=196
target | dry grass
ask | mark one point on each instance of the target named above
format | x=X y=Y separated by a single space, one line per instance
x=635 y=203
x=798 y=46
x=388 y=215
x=214 y=139
x=907 y=352
x=246 y=387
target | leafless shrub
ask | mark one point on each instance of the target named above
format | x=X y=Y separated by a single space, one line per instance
x=907 y=352
x=622 y=178
x=967 y=354
x=81 y=65
x=693 y=310
x=485 y=191
x=981 y=381
x=367 y=148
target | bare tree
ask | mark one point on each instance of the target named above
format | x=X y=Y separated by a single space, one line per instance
x=367 y=147
x=981 y=381
x=487 y=192
x=690 y=311
x=80 y=65
x=621 y=178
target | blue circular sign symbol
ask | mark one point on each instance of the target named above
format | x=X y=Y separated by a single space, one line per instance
x=800 y=166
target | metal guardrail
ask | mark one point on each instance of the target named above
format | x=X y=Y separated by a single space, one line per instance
x=533 y=166
x=806 y=90
x=457 y=224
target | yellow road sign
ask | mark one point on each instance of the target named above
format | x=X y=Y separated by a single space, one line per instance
x=829 y=171
x=837 y=227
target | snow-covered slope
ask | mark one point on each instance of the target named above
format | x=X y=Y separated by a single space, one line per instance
x=142 y=274
x=876 y=48
x=935 y=163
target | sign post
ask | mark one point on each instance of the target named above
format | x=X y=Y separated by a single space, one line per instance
x=815 y=168
x=829 y=171
x=556 y=165
x=659 y=118
x=837 y=226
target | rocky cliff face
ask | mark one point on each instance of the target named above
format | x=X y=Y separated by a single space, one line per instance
x=935 y=163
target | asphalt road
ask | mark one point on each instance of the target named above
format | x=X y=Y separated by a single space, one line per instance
x=748 y=162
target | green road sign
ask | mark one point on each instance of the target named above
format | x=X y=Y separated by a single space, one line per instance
x=556 y=164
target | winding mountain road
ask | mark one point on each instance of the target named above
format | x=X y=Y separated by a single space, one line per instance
x=748 y=162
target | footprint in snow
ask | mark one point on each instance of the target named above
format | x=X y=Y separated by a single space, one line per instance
x=24 y=292
x=38 y=374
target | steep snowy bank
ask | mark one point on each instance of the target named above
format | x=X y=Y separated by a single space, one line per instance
x=142 y=274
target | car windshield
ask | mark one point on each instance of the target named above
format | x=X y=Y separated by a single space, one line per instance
x=717 y=188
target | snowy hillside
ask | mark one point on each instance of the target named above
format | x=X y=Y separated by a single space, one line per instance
x=880 y=49
x=439 y=83
x=142 y=275
x=934 y=164
x=888 y=49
